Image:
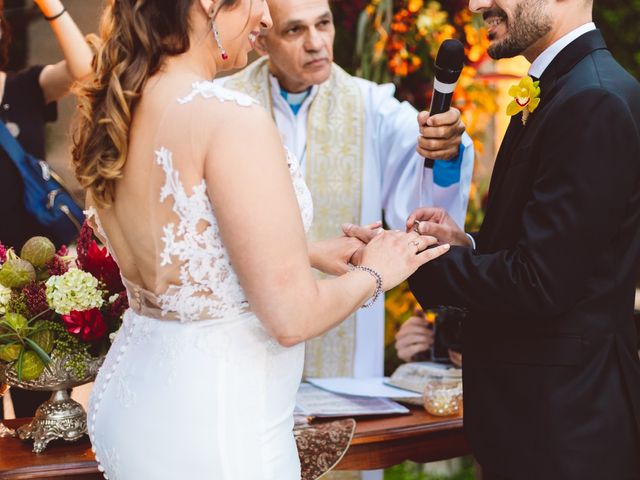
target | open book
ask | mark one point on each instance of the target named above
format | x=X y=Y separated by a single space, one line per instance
x=312 y=401
x=415 y=375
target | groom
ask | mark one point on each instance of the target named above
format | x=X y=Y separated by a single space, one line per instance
x=551 y=369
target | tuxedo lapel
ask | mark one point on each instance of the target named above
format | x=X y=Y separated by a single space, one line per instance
x=510 y=141
x=571 y=55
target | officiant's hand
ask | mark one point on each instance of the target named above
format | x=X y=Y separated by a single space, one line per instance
x=437 y=223
x=440 y=135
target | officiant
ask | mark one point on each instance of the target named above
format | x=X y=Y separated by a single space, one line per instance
x=357 y=146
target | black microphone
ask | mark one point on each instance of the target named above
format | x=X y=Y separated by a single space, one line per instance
x=449 y=63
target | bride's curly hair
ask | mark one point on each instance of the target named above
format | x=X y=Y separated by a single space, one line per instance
x=135 y=37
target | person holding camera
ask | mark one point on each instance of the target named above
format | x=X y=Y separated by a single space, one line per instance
x=28 y=103
x=416 y=337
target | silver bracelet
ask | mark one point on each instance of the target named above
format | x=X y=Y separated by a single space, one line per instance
x=378 y=278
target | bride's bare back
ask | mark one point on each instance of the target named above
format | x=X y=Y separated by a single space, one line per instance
x=136 y=218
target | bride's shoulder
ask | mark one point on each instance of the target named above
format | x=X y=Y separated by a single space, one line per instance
x=211 y=90
x=223 y=109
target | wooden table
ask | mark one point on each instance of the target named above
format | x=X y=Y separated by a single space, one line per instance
x=420 y=437
x=377 y=443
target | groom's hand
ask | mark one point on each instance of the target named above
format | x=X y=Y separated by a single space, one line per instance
x=440 y=135
x=437 y=223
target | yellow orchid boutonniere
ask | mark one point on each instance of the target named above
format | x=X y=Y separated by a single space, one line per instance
x=526 y=98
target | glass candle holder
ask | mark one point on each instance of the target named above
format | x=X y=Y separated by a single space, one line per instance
x=443 y=398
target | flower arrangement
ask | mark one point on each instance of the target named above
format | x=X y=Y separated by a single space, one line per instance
x=398 y=41
x=53 y=307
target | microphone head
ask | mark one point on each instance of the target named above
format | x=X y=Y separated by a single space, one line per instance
x=449 y=61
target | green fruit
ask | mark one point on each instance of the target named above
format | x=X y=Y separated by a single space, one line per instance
x=10 y=353
x=43 y=275
x=32 y=366
x=16 y=273
x=44 y=338
x=17 y=322
x=38 y=251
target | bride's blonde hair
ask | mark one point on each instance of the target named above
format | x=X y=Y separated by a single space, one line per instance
x=135 y=37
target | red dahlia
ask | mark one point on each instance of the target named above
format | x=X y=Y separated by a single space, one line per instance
x=88 y=325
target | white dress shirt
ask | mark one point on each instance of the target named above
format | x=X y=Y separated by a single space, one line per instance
x=543 y=60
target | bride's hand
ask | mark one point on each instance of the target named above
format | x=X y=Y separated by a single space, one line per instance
x=332 y=256
x=364 y=233
x=397 y=255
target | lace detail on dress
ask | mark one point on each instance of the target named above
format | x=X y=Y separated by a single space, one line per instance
x=208 y=283
x=303 y=194
x=92 y=215
x=212 y=90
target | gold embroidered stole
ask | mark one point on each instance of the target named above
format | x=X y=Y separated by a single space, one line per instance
x=334 y=175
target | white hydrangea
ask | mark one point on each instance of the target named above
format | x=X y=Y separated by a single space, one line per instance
x=75 y=290
x=5 y=296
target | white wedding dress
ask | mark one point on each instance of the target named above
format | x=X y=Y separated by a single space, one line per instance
x=193 y=386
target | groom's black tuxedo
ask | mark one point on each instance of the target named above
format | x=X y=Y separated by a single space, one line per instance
x=551 y=368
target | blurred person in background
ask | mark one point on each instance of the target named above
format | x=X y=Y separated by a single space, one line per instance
x=415 y=338
x=29 y=102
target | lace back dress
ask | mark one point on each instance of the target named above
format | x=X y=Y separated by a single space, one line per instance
x=193 y=386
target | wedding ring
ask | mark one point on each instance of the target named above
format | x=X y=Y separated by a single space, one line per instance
x=416 y=226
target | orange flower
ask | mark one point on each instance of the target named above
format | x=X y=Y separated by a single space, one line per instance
x=478 y=41
x=415 y=5
x=398 y=65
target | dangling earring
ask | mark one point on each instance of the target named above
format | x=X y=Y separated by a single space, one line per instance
x=216 y=35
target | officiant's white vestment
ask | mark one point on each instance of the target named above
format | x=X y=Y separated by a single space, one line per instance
x=357 y=148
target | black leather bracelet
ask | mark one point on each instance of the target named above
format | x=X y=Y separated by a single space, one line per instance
x=57 y=15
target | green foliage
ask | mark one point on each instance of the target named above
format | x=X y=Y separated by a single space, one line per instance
x=414 y=471
x=619 y=21
x=66 y=345
x=27 y=357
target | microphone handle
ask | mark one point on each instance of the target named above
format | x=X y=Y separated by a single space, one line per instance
x=440 y=103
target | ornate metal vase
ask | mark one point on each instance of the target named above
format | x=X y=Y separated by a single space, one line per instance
x=60 y=416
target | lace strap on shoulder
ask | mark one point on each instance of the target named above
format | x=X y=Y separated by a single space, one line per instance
x=91 y=214
x=212 y=90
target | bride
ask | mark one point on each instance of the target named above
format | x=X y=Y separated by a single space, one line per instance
x=206 y=215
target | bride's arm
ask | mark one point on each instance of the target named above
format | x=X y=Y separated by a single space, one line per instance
x=260 y=223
